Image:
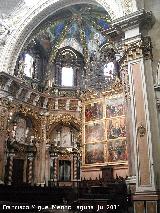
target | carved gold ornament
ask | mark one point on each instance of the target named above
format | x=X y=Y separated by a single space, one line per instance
x=141 y=130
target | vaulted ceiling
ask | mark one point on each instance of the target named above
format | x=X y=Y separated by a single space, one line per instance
x=24 y=16
x=82 y=27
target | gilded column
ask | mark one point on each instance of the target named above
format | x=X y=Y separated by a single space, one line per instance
x=55 y=169
x=30 y=169
x=75 y=166
x=10 y=168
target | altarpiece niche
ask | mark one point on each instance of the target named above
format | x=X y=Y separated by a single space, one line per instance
x=64 y=153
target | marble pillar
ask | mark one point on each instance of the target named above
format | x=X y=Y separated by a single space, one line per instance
x=144 y=117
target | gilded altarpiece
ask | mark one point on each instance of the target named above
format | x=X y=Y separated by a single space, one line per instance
x=104 y=131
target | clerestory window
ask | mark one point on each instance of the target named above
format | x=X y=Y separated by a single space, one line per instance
x=67 y=77
x=28 y=66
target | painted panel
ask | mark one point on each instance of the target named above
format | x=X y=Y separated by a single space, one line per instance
x=94 y=153
x=117 y=150
x=94 y=132
x=115 y=106
x=116 y=128
x=93 y=111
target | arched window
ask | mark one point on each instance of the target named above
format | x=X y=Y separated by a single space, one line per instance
x=67 y=77
x=109 y=70
x=68 y=68
x=28 y=66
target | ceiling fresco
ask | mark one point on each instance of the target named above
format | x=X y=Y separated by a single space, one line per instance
x=82 y=27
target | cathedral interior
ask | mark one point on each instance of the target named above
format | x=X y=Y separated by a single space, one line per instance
x=80 y=104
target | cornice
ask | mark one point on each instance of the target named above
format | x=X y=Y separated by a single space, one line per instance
x=139 y=18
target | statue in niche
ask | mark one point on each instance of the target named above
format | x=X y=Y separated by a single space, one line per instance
x=21 y=130
x=65 y=137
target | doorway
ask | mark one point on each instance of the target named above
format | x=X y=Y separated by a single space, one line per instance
x=18 y=168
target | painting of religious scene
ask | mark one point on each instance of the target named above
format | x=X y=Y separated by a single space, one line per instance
x=93 y=111
x=116 y=128
x=117 y=150
x=94 y=132
x=115 y=106
x=94 y=153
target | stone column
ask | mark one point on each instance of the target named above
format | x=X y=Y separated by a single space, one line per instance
x=43 y=151
x=129 y=127
x=51 y=168
x=144 y=117
x=47 y=164
x=37 y=168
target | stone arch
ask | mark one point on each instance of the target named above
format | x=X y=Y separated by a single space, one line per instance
x=34 y=120
x=64 y=119
x=37 y=14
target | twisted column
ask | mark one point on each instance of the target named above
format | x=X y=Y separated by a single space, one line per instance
x=75 y=166
x=55 y=168
x=30 y=169
x=10 y=168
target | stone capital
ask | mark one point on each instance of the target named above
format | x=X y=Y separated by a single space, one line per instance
x=137 y=47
